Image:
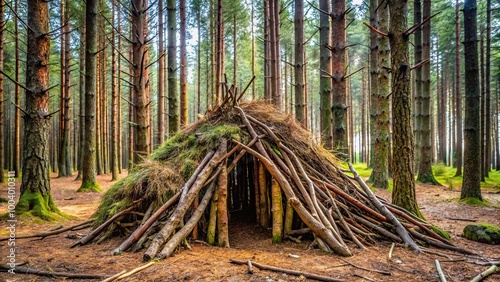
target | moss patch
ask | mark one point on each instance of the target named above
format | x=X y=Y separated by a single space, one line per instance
x=441 y=232
x=89 y=186
x=34 y=204
x=482 y=232
x=475 y=202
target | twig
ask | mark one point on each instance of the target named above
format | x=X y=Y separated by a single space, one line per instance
x=419 y=64
x=485 y=273
x=367 y=269
x=287 y=271
x=361 y=276
x=135 y=270
x=112 y=278
x=462 y=219
x=28 y=270
x=442 y=278
x=375 y=30
x=390 y=251
x=249 y=267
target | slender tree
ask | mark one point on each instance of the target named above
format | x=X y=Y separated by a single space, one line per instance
x=339 y=86
x=417 y=81
x=89 y=182
x=300 y=101
x=173 y=100
x=374 y=87
x=487 y=92
x=458 y=89
x=325 y=73
x=380 y=172
x=183 y=64
x=17 y=97
x=425 y=174
x=2 y=29
x=403 y=193
x=81 y=116
x=160 y=79
x=471 y=186
x=114 y=101
x=35 y=187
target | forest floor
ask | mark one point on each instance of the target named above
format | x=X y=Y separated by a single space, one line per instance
x=439 y=205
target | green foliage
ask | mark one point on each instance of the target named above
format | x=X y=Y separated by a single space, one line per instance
x=439 y=169
x=441 y=232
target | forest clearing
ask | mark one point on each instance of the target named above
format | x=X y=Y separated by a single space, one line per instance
x=439 y=204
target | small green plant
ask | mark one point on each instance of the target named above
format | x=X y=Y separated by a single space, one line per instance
x=440 y=169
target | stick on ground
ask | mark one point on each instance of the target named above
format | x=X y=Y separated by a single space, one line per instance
x=28 y=270
x=485 y=273
x=287 y=271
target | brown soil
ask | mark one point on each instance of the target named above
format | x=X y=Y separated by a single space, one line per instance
x=204 y=263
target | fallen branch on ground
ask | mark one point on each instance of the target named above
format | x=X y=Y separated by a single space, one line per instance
x=485 y=274
x=28 y=270
x=42 y=235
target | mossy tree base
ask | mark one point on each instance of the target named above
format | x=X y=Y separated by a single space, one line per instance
x=34 y=204
x=89 y=186
x=427 y=178
x=474 y=201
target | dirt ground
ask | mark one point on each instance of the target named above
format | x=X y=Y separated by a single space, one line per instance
x=204 y=263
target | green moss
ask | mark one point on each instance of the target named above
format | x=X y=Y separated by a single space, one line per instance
x=475 y=202
x=482 y=232
x=188 y=167
x=89 y=186
x=3 y=200
x=35 y=205
x=441 y=232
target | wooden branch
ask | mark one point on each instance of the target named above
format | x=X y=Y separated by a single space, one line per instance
x=383 y=209
x=389 y=256
x=367 y=269
x=287 y=271
x=462 y=219
x=245 y=90
x=356 y=71
x=52 y=232
x=14 y=81
x=485 y=274
x=28 y=270
x=375 y=30
x=419 y=64
x=135 y=270
x=417 y=26
x=21 y=109
x=114 y=277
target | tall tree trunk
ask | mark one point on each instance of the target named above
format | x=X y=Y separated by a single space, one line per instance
x=161 y=75
x=374 y=87
x=481 y=103
x=198 y=64
x=183 y=63
x=339 y=93
x=119 y=97
x=300 y=102
x=89 y=182
x=114 y=102
x=417 y=82
x=219 y=54
x=64 y=145
x=325 y=66
x=487 y=92
x=380 y=173
x=471 y=186
x=2 y=28
x=173 y=99
x=81 y=115
x=253 y=48
x=364 y=100
x=425 y=174
x=140 y=58
x=275 y=48
x=35 y=187
x=497 y=128
x=403 y=193
x=17 y=98
x=458 y=97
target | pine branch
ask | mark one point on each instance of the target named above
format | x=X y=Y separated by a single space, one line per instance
x=375 y=30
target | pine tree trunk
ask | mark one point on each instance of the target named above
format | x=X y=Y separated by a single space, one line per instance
x=183 y=64
x=403 y=193
x=471 y=186
x=89 y=155
x=35 y=187
x=374 y=87
x=481 y=102
x=417 y=35
x=65 y=168
x=17 y=98
x=487 y=92
x=114 y=103
x=222 y=204
x=300 y=101
x=173 y=100
x=277 y=210
x=81 y=115
x=339 y=88
x=458 y=97
x=380 y=173
x=2 y=28
x=325 y=72
x=219 y=54
x=161 y=82
x=425 y=174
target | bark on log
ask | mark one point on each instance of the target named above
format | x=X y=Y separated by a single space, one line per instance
x=222 y=213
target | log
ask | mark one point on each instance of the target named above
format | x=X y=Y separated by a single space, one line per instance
x=403 y=233
x=135 y=270
x=288 y=271
x=222 y=213
x=29 y=270
x=277 y=211
x=442 y=278
x=113 y=278
x=188 y=227
x=212 y=220
x=185 y=202
x=91 y=236
x=144 y=227
x=263 y=197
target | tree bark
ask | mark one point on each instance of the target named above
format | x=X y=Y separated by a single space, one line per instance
x=417 y=35
x=487 y=92
x=325 y=66
x=17 y=98
x=183 y=64
x=114 y=102
x=425 y=174
x=374 y=87
x=35 y=186
x=471 y=186
x=2 y=28
x=458 y=97
x=89 y=182
x=173 y=99
x=339 y=87
x=300 y=101
x=403 y=193
x=161 y=82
